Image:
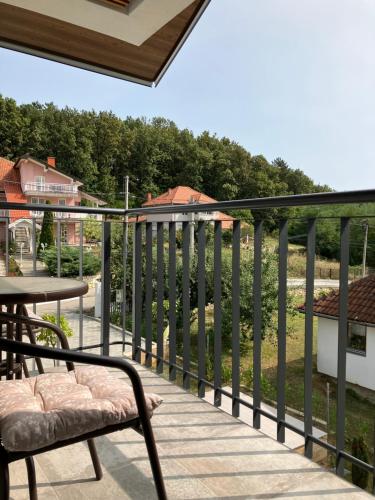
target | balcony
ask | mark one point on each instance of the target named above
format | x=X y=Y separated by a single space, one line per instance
x=244 y=445
x=52 y=189
x=67 y=216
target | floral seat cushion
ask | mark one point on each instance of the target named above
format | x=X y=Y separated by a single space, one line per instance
x=39 y=411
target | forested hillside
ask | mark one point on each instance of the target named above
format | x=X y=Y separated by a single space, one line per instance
x=100 y=149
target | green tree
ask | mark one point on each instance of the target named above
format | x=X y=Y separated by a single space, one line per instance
x=46 y=238
x=92 y=230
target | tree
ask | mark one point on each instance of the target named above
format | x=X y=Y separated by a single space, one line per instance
x=360 y=450
x=92 y=230
x=269 y=292
x=99 y=149
x=46 y=239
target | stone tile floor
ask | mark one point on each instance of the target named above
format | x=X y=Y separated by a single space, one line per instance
x=204 y=452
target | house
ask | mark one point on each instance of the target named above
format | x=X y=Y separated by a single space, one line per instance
x=184 y=195
x=31 y=181
x=360 y=358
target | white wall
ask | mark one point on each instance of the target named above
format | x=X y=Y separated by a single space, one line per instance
x=359 y=369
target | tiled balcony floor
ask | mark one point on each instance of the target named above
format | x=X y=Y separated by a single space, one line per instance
x=204 y=452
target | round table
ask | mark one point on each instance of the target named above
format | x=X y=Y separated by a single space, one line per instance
x=16 y=292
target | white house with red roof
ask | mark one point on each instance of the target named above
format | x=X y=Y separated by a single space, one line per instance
x=33 y=181
x=184 y=195
x=360 y=340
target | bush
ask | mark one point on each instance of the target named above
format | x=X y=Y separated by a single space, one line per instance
x=47 y=336
x=70 y=262
x=360 y=450
x=14 y=268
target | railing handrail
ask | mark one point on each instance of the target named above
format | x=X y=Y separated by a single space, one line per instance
x=289 y=201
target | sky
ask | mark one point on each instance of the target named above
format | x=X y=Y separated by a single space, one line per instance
x=284 y=78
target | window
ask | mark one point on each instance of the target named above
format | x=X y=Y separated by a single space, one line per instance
x=64 y=234
x=35 y=201
x=357 y=338
x=40 y=181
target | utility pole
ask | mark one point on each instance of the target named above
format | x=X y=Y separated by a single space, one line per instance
x=125 y=260
x=365 y=227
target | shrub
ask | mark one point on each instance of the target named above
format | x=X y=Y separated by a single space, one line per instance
x=360 y=450
x=14 y=268
x=46 y=238
x=47 y=336
x=70 y=262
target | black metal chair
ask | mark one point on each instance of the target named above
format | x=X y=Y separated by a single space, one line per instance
x=141 y=423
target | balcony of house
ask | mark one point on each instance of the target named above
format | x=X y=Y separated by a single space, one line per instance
x=50 y=189
x=206 y=316
x=38 y=214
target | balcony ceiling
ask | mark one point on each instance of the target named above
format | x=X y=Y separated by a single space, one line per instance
x=132 y=39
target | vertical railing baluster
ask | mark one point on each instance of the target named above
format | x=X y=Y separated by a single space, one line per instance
x=124 y=279
x=133 y=292
x=34 y=250
x=172 y=300
x=186 y=302
x=236 y=317
x=160 y=297
x=58 y=256
x=257 y=314
x=309 y=318
x=7 y=246
x=81 y=277
x=58 y=228
x=137 y=292
x=148 y=294
x=342 y=343
x=201 y=308
x=217 y=312
x=106 y=287
x=281 y=342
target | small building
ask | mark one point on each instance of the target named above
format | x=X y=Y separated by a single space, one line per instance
x=360 y=358
x=31 y=181
x=184 y=195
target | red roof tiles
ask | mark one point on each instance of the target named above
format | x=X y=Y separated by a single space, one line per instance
x=183 y=195
x=361 y=303
x=180 y=195
x=10 y=183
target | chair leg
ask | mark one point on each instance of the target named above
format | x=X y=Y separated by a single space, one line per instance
x=154 y=461
x=33 y=493
x=4 y=480
x=95 y=459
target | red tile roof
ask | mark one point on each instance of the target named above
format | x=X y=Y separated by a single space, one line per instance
x=361 y=303
x=180 y=195
x=10 y=183
x=183 y=195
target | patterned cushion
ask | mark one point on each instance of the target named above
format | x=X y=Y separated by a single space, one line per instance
x=42 y=410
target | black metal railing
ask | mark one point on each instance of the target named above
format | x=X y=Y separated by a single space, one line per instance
x=147 y=258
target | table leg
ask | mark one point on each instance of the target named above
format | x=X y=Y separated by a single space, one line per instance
x=18 y=337
x=9 y=357
x=32 y=338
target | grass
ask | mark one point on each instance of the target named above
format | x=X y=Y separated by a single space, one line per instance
x=360 y=403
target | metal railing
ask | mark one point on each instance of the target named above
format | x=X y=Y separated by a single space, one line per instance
x=49 y=187
x=149 y=286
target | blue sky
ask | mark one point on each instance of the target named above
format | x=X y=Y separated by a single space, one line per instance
x=288 y=78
